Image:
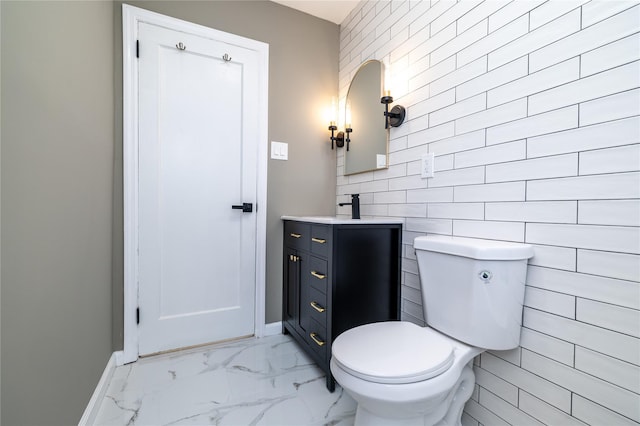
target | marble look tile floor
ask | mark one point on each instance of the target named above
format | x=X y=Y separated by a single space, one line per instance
x=266 y=381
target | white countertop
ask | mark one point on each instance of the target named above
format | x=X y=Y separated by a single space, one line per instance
x=333 y=220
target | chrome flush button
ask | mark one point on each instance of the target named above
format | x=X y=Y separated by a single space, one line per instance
x=485 y=276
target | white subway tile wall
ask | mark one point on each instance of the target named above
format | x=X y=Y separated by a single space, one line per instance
x=532 y=109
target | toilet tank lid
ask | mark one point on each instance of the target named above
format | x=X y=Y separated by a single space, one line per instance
x=473 y=248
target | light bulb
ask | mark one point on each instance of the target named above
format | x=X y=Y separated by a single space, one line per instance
x=387 y=78
x=333 y=111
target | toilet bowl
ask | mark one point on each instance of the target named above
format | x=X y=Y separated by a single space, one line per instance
x=403 y=374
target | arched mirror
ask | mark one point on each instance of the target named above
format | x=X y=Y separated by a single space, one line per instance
x=368 y=149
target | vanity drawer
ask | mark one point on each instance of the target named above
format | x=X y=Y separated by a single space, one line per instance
x=313 y=307
x=297 y=235
x=318 y=274
x=316 y=306
x=316 y=338
x=320 y=240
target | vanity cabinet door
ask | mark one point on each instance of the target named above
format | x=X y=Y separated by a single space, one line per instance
x=291 y=289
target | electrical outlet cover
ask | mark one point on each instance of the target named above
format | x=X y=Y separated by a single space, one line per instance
x=427 y=165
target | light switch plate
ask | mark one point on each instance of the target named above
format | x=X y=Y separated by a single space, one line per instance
x=427 y=165
x=279 y=150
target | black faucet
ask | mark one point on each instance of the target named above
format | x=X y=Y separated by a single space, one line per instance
x=355 y=206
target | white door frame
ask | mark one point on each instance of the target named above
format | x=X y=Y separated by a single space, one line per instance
x=131 y=17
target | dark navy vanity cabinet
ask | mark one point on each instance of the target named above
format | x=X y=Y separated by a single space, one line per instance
x=338 y=274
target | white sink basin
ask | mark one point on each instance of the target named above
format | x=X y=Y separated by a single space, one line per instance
x=333 y=220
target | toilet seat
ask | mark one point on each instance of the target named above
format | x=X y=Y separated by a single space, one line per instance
x=393 y=352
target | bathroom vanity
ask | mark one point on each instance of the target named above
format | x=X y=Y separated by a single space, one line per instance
x=338 y=274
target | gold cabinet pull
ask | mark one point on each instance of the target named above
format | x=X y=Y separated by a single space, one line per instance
x=319 y=342
x=317 y=275
x=294 y=235
x=294 y=258
x=318 y=240
x=317 y=307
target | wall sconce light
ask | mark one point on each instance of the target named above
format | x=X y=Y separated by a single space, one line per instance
x=395 y=117
x=338 y=139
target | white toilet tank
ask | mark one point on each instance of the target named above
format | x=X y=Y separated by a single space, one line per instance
x=473 y=289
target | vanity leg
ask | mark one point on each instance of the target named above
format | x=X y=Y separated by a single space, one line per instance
x=331 y=383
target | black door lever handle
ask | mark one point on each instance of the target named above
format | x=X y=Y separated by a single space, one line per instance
x=245 y=207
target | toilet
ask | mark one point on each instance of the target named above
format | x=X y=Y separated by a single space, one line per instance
x=402 y=374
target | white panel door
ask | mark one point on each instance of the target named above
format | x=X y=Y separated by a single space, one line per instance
x=197 y=157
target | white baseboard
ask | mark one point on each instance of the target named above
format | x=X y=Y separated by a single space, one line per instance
x=89 y=416
x=119 y=358
x=273 y=328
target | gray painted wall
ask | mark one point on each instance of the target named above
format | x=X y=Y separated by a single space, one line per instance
x=61 y=177
x=57 y=155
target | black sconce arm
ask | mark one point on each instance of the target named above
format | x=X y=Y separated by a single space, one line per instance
x=338 y=139
x=395 y=117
